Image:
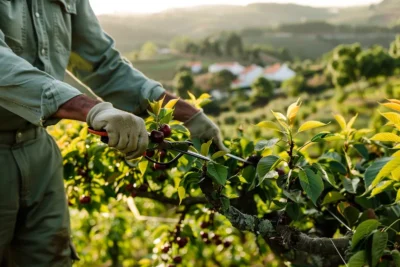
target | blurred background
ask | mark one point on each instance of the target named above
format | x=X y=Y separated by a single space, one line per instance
x=250 y=57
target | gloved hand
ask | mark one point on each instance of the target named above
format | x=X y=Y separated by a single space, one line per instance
x=200 y=126
x=126 y=132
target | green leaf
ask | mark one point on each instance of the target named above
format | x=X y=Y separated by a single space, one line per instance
x=269 y=175
x=373 y=171
x=351 y=184
x=382 y=187
x=269 y=125
x=181 y=194
x=327 y=177
x=312 y=184
x=217 y=172
x=263 y=144
x=310 y=125
x=358 y=260
x=205 y=148
x=362 y=150
x=386 y=170
x=143 y=166
x=396 y=257
x=363 y=230
x=379 y=243
x=332 y=197
x=293 y=210
x=337 y=167
x=225 y=203
x=351 y=214
x=218 y=154
x=320 y=136
x=266 y=164
x=188 y=179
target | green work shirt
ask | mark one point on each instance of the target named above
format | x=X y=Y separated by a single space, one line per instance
x=38 y=44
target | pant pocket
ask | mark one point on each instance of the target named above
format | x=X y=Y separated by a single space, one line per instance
x=74 y=254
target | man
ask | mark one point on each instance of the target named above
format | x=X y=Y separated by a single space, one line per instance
x=39 y=39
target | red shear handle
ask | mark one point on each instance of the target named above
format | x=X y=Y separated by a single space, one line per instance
x=102 y=133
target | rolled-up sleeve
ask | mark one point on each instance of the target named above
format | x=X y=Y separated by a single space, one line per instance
x=28 y=92
x=95 y=62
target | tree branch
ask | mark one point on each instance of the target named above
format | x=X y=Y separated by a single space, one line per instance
x=172 y=201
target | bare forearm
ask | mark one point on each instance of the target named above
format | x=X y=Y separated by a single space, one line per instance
x=183 y=110
x=76 y=108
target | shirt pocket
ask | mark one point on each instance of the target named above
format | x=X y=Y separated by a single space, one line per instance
x=63 y=10
x=13 y=24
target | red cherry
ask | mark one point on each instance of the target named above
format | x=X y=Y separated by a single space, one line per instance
x=160 y=167
x=227 y=244
x=165 y=248
x=143 y=188
x=204 y=225
x=218 y=242
x=162 y=178
x=156 y=136
x=129 y=187
x=203 y=235
x=163 y=153
x=182 y=241
x=166 y=130
x=134 y=194
x=85 y=200
x=177 y=259
x=150 y=153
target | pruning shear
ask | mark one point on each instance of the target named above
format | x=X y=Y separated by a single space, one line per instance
x=182 y=147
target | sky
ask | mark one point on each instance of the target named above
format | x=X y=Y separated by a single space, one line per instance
x=153 y=6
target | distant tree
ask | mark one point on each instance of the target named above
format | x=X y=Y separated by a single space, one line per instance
x=234 y=45
x=395 y=47
x=180 y=43
x=294 y=85
x=148 y=50
x=343 y=66
x=262 y=87
x=374 y=62
x=222 y=79
x=183 y=82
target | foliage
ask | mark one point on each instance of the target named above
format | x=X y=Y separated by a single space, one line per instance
x=148 y=50
x=348 y=193
x=183 y=83
x=262 y=88
x=294 y=86
x=222 y=79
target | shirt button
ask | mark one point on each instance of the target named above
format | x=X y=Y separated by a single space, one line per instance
x=37 y=14
x=43 y=51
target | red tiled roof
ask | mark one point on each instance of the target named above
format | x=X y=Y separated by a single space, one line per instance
x=272 y=69
x=194 y=63
x=226 y=64
x=248 y=69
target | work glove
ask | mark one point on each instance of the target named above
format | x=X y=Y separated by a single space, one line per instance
x=200 y=126
x=126 y=132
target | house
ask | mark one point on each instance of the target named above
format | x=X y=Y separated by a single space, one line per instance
x=247 y=76
x=233 y=67
x=278 y=72
x=195 y=66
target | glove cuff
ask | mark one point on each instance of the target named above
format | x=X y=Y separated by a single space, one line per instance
x=194 y=118
x=94 y=111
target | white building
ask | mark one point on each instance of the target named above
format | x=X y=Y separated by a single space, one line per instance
x=278 y=72
x=195 y=67
x=233 y=67
x=248 y=76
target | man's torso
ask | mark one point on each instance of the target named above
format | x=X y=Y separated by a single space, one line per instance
x=40 y=32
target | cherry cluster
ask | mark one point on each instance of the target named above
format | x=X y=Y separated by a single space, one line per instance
x=157 y=136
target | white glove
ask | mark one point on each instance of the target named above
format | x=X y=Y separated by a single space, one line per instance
x=200 y=126
x=126 y=132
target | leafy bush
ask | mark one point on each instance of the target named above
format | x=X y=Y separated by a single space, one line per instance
x=313 y=207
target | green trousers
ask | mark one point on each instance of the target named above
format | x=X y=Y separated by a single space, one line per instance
x=34 y=218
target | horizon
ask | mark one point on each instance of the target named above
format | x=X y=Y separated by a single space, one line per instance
x=154 y=6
